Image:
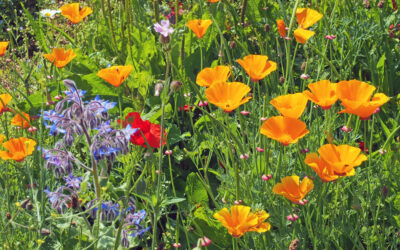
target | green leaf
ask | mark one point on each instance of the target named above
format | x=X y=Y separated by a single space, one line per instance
x=195 y=190
x=172 y=201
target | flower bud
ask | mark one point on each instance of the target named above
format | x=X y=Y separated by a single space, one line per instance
x=45 y=232
x=177 y=245
x=244 y=156
x=281 y=80
x=304 y=76
x=175 y=86
x=205 y=241
x=232 y=44
x=303 y=66
x=266 y=27
x=244 y=112
x=168 y=152
x=260 y=149
x=8 y=216
x=163 y=39
x=157 y=89
x=294 y=244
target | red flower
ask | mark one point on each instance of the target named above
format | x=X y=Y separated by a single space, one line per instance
x=151 y=131
x=362 y=146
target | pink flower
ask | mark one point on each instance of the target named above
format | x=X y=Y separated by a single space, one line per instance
x=244 y=156
x=304 y=76
x=382 y=151
x=163 y=28
x=177 y=245
x=238 y=202
x=202 y=104
x=303 y=202
x=168 y=152
x=346 y=129
x=291 y=217
x=245 y=112
x=377 y=110
x=260 y=149
x=263 y=119
x=266 y=177
x=205 y=241
x=330 y=37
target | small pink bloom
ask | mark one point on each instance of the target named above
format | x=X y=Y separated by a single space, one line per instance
x=291 y=217
x=168 y=152
x=377 y=110
x=177 y=245
x=263 y=119
x=260 y=149
x=244 y=156
x=238 y=202
x=303 y=202
x=266 y=177
x=304 y=76
x=244 y=112
x=304 y=150
x=346 y=129
x=58 y=97
x=157 y=172
x=205 y=241
x=382 y=151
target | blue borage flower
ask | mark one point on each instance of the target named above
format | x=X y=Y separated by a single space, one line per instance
x=72 y=181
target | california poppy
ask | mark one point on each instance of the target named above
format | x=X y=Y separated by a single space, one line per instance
x=257 y=66
x=341 y=159
x=292 y=189
x=320 y=167
x=307 y=17
x=281 y=27
x=73 y=13
x=228 y=95
x=209 y=76
x=290 y=105
x=286 y=130
x=115 y=75
x=3 y=48
x=323 y=93
x=17 y=149
x=59 y=57
x=150 y=131
x=213 y=1
x=356 y=98
x=240 y=220
x=4 y=100
x=199 y=27
x=302 y=35
x=20 y=121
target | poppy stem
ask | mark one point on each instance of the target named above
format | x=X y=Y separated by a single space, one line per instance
x=369 y=159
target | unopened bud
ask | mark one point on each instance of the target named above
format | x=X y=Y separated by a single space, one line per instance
x=175 y=86
x=25 y=202
x=232 y=44
x=163 y=39
x=266 y=27
x=205 y=241
x=45 y=232
x=281 y=80
x=157 y=89
x=303 y=66
x=304 y=76
x=8 y=216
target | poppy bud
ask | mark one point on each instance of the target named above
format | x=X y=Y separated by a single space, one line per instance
x=266 y=27
x=366 y=3
x=381 y=4
x=303 y=66
x=25 y=202
x=232 y=44
x=8 y=216
x=281 y=80
x=385 y=191
x=158 y=88
x=45 y=232
x=259 y=149
x=163 y=39
x=175 y=86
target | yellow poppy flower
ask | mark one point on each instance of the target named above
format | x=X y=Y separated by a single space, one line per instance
x=115 y=75
x=209 y=76
x=285 y=130
x=292 y=189
x=290 y=105
x=3 y=48
x=323 y=93
x=257 y=66
x=60 y=57
x=199 y=27
x=73 y=13
x=17 y=149
x=228 y=95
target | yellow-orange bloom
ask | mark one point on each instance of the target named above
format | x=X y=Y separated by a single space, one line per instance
x=341 y=159
x=285 y=130
x=257 y=66
x=213 y=1
x=227 y=95
x=3 y=48
x=20 y=121
x=73 y=13
x=320 y=167
x=59 y=57
x=281 y=27
x=209 y=76
x=292 y=189
x=115 y=75
x=17 y=149
x=199 y=27
x=323 y=93
x=240 y=220
x=4 y=100
x=2 y=137
x=291 y=105
x=307 y=17
x=356 y=98
x=302 y=35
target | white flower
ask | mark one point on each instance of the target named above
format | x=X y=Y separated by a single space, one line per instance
x=49 y=13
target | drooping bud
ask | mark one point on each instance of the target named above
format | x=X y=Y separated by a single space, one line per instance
x=157 y=89
x=232 y=44
x=266 y=27
x=303 y=66
x=175 y=86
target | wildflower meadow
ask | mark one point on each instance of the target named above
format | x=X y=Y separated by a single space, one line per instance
x=199 y=124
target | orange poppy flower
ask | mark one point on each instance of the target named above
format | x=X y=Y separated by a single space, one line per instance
x=286 y=130
x=59 y=57
x=73 y=13
x=240 y=220
x=257 y=66
x=227 y=95
x=199 y=27
x=320 y=167
x=17 y=149
x=291 y=105
x=292 y=189
x=356 y=98
x=303 y=35
x=4 y=99
x=115 y=75
x=20 y=121
x=307 y=17
x=209 y=76
x=281 y=27
x=341 y=159
x=3 y=48
x=323 y=93
x=213 y=1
